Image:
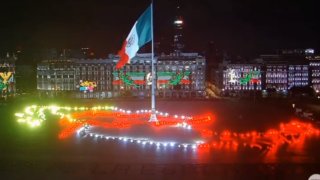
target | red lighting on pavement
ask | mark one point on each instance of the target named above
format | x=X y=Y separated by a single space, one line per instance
x=111 y=119
x=292 y=133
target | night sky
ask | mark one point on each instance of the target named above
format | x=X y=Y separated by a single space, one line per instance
x=244 y=27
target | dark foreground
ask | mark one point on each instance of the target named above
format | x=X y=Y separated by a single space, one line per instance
x=38 y=154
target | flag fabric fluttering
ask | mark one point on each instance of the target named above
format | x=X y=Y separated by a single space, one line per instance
x=139 y=35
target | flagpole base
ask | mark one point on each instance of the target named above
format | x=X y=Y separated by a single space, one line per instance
x=153 y=118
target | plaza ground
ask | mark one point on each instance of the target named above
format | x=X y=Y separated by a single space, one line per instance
x=37 y=153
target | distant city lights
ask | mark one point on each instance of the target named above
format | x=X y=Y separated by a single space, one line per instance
x=309 y=51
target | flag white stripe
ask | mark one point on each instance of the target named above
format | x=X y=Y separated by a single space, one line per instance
x=132 y=43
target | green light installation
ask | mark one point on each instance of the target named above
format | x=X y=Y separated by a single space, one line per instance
x=249 y=77
x=176 y=77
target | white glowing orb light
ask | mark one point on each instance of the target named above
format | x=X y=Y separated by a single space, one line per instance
x=184 y=124
x=79 y=130
x=28 y=111
x=35 y=123
x=19 y=115
x=21 y=120
x=144 y=141
x=179 y=22
x=54 y=109
x=199 y=142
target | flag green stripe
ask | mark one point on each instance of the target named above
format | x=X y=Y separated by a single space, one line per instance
x=143 y=27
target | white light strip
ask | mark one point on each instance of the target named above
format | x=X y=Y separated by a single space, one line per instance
x=147 y=141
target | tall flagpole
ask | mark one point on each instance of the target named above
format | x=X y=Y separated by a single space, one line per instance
x=153 y=116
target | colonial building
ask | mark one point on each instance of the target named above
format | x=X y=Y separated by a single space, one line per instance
x=314 y=65
x=242 y=77
x=298 y=75
x=177 y=76
x=75 y=76
x=56 y=75
x=276 y=76
x=7 y=76
x=93 y=78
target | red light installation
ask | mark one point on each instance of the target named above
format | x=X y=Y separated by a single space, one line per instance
x=293 y=133
x=111 y=119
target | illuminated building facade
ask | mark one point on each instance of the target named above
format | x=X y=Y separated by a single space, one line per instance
x=68 y=75
x=177 y=77
x=7 y=76
x=242 y=77
x=276 y=77
x=286 y=69
x=314 y=64
x=97 y=74
x=298 y=75
x=56 y=76
x=280 y=77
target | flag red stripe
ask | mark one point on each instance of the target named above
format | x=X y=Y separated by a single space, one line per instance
x=124 y=58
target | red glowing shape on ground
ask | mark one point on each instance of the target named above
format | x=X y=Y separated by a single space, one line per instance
x=291 y=133
x=123 y=120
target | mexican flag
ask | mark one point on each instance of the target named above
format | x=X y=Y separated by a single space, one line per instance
x=139 y=35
